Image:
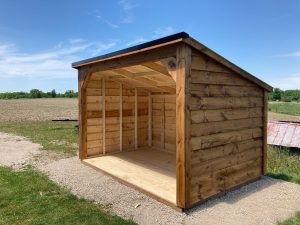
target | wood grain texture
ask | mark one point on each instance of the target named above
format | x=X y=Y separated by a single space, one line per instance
x=121 y=118
x=103 y=117
x=147 y=168
x=135 y=119
x=149 y=120
x=183 y=126
x=206 y=116
x=82 y=120
x=202 y=129
x=134 y=59
x=265 y=128
x=227 y=129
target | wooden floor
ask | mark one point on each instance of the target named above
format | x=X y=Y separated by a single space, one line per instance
x=148 y=169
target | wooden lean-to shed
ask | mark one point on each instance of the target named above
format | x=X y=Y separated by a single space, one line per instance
x=172 y=119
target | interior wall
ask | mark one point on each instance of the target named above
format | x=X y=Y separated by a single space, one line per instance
x=128 y=118
x=94 y=117
x=142 y=123
x=164 y=122
x=112 y=117
x=120 y=123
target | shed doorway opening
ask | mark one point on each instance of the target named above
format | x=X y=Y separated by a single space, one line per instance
x=131 y=127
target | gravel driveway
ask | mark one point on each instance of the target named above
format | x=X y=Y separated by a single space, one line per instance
x=263 y=202
x=16 y=151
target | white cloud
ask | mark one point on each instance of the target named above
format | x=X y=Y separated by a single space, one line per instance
x=107 y=22
x=126 y=5
x=127 y=17
x=54 y=63
x=163 y=31
x=75 y=40
x=287 y=82
x=292 y=54
x=136 y=41
x=112 y=25
x=6 y=49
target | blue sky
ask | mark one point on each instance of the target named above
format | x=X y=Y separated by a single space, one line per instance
x=40 y=39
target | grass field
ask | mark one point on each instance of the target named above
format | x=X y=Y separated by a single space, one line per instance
x=285 y=108
x=53 y=136
x=284 y=164
x=28 y=197
x=293 y=221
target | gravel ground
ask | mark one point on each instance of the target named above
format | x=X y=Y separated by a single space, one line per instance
x=263 y=202
x=38 y=109
x=16 y=151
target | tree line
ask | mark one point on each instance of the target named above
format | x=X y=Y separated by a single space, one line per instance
x=36 y=93
x=285 y=96
x=276 y=95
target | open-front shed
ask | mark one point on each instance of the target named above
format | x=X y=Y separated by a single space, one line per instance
x=173 y=119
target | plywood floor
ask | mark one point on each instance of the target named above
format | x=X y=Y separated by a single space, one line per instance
x=149 y=169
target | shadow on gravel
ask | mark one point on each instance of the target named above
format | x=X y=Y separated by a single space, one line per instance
x=236 y=195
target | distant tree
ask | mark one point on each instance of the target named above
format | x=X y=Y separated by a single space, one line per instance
x=53 y=93
x=69 y=94
x=35 y=93
x=277 y=94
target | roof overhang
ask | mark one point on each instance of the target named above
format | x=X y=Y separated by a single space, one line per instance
x=175 y=38
x=168 y=40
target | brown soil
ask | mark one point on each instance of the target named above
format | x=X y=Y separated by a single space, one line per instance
x=38 y=109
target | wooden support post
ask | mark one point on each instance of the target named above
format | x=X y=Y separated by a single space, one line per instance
x=82 y=118
x=103 y=116
x=121 y=118
x=135 y=119
x=149 y=120
x=183 y=149
x=265 y=128
x=162 y=124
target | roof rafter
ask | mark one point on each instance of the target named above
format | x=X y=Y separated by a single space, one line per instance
x=143 y=82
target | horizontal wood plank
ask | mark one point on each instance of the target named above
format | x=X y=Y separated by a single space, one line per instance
x=211 y=90
x=205 y=77
x=224 y=138
x=201 y=129
x=199 y=102
x=203 y=116
x=199 y=156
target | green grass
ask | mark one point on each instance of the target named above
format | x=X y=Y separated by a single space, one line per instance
x=293 y=221
x=284 y=164
x=30 y=198
x=53 y=136
x=285 y=108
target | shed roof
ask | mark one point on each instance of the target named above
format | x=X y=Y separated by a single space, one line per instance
x=175 y=38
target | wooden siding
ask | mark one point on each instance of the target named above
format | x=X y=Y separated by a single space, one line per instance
x=142 y=118
x=124 y=125
x=226 y=133
x=164 y=122
x=94 y=119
